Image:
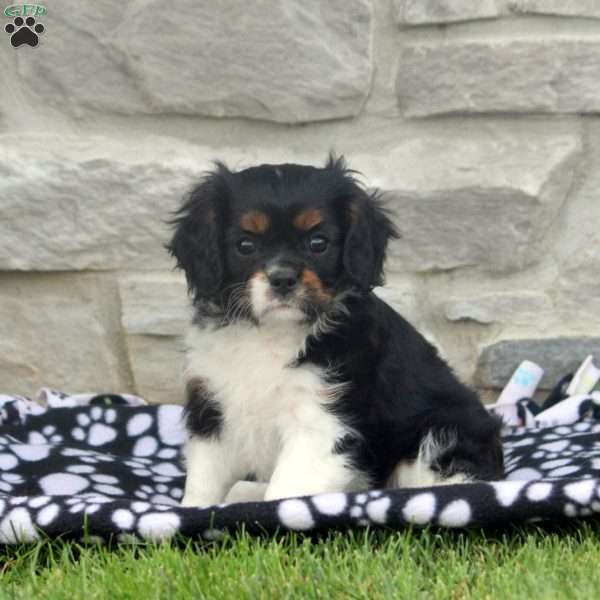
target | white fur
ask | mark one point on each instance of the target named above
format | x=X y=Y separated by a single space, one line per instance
x=246 y=491
x=266 y=308
x=275 y=421
x=418 y=472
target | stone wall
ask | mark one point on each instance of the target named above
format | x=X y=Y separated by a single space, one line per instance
x=478 y=119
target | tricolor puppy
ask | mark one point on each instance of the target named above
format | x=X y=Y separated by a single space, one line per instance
x=297 y=373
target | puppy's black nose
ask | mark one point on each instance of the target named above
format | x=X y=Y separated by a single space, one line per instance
x=283 y=279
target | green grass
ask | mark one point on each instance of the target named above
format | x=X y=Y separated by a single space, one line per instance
x=526 y=563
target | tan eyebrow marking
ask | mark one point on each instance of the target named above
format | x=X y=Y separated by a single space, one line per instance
x=255 y=221
x=307 y=219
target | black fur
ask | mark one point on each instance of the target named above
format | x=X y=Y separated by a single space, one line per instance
x=197 y=242
x=203 y=415
x=399 y=388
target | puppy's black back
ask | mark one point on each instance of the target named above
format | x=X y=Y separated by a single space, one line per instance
x=401 y=390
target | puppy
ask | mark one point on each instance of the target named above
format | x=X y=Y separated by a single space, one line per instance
x=297 y=373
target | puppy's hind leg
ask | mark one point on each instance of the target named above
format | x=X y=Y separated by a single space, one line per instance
x=425 y=470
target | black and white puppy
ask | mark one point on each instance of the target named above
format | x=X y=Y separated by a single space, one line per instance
x=297 y=373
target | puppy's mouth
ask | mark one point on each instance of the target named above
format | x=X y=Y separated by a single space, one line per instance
x=267 y=304
x=282 y=308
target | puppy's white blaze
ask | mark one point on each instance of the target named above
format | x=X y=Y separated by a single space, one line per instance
x=418 y=472
x=259 y=294
x=267 y=309
x=276 y=422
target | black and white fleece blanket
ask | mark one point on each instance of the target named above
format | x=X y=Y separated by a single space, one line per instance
x=109 y=466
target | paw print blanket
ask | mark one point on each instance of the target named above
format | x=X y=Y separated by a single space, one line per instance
x=109 y=467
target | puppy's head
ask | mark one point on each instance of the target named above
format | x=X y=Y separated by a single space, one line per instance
x=280 y=241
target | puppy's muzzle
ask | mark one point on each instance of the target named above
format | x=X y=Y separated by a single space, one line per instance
x=283 y=279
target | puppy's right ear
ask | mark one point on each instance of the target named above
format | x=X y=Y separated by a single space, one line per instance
x=196 y=243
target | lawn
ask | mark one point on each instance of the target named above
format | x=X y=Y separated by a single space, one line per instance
x=523 y=563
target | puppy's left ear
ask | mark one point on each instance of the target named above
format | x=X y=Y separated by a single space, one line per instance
x=196 y=243
x=368 y=233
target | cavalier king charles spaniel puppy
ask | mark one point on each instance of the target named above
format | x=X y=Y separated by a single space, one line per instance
x=297 y=374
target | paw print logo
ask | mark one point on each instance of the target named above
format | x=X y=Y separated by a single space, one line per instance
x=24 y=32
x=95 y=428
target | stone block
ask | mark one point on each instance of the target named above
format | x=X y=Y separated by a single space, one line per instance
x=288 y=62
x=428 y=12
x=557 y=356
x=543 y=75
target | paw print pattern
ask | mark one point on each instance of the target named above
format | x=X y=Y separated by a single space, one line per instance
x=583 y=498
x=370 y=507
x=48 y=435
x=87 y=503
x=96 y=428
x=553 y=453
x=75 y=480
x=87 y=456
x=151 y=525
x=160 y=493
x=8 y=481
x=364 y=509
x=24 y=32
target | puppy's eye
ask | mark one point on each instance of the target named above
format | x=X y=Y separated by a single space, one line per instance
x=318 y=244
x=245 y=246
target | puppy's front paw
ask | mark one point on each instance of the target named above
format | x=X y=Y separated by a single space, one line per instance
x=246 y=491
x=197 y=501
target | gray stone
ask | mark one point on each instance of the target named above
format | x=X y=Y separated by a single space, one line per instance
x=154 y=304
x=402 y=295
x=157 y=367
x=155 y=313
x=90 y=203
x=74 y=203
x=547 y=75
x=557 y=356
x=422 y=12
x=578 y=251
x=510 y=307
x=565 y=8
x=579 y=281
x=473 y=202
x=283 y=61
x=58 y=330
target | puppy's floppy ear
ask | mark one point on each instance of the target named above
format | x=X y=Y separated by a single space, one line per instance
x=368 y=230
x=196 y=243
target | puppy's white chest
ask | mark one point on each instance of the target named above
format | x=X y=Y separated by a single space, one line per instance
x=264 y=398
x=244 y=364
